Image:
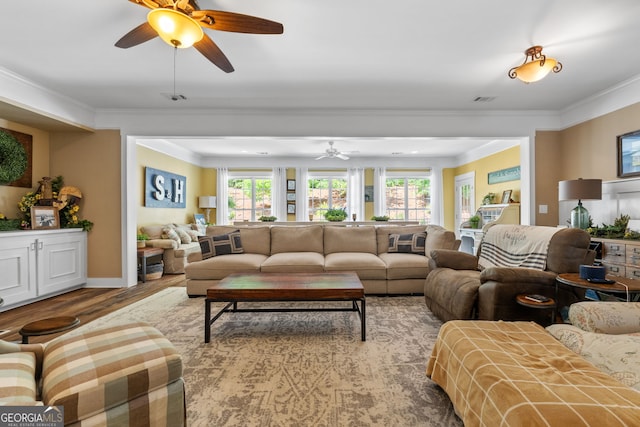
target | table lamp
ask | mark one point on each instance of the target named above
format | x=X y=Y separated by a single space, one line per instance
x=580 y=189
x=207 y=203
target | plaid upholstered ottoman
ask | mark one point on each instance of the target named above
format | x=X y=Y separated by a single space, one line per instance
x=123 y=375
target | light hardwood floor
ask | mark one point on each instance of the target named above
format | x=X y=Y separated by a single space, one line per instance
x=87 y=304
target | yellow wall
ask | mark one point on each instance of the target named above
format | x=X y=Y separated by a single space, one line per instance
x=505 y=159
x=197 y=185
x=587 y=150
x=10 y=196
x=91 y=162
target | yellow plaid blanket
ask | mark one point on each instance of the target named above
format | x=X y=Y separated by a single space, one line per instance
x=517 y=374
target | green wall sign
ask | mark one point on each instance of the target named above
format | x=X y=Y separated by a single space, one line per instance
x=504 y=175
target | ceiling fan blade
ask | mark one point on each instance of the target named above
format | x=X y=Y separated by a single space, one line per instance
x=321 y=157
x=146 y=3
x=236 y=22
x=140 y=34
x=212 y=52
x=342 y=156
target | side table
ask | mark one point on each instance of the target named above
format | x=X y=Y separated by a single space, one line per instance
x=143 y=255
x=48 y=326
x=623 y=285
x=524 y=301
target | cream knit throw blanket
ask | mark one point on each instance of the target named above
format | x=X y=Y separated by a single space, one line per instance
x=516 y=246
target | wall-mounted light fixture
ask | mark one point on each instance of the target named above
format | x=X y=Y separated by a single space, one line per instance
x=535 y=66
x=207 y=203
x=580 y=189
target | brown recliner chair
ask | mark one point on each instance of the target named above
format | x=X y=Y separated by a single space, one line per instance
x=457 y=288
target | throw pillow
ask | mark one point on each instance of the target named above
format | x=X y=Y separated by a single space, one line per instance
x=224 y=244
x=170 y=233
x=193 y=234
x=184 y=236
x=407 y=243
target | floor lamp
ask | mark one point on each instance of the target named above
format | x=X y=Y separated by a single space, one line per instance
x=580 y=189
x=207 y=203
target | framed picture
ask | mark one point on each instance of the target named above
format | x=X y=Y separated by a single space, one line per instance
x=291 y=208
x=629 y=154
x=291 y=185
x=291 y=196
x=506 y=196
x=199 y=219
x=43 y=217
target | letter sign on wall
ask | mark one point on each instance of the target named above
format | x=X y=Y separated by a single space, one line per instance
x=164 y=189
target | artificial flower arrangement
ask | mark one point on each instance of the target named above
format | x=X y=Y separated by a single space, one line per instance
x=66 y=199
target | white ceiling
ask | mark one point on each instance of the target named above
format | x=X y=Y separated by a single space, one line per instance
x=368 y=55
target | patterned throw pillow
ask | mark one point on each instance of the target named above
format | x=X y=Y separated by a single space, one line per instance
x=170 y=233
x=224 y=244
x=184 y=236
x=407 y=243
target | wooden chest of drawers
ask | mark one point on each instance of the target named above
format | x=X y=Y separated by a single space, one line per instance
x=620 y=257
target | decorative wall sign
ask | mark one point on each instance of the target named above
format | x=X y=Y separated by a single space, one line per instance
x=26 y=141
x=504 y=175
x=164 y=189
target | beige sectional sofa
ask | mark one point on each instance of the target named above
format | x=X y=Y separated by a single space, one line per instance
x=176 y=250
x=319 y=248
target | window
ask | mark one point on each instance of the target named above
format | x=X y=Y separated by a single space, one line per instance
x=326 y=190
x=408 y=196
x=249 y=195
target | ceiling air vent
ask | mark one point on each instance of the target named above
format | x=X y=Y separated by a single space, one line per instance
x=484 y=99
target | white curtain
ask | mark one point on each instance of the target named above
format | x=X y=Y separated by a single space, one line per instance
x=302 y=204
x=279 y=194
x=222 y=191
x=355 y=193
x=379 y=191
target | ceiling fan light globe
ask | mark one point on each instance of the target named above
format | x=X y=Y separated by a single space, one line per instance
x=534 y=71
x=175 y=28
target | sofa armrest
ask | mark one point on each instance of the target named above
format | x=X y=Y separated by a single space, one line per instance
x=456 y=260
x=36 y=349
x=606 y=317
x=162 y=243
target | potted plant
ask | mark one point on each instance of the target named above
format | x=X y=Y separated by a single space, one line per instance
x=335 y=215
x=474 y=221
x=264 y=218
x=142 y=239
x=380 y=218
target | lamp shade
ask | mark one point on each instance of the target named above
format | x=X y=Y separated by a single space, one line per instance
x=207 y=202
x=535 y=70
x=580 y=189
x=175 y=28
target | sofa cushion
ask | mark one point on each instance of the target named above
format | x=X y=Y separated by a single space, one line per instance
x=405 y=266
x=17 y=379
x=168 y=232
x=407 y=243
x=255 y=239
x=223 y=244
x=439 y=238
x=349 y=239
x=606 y=317
x=382 y=234
x=452 y=294
x=367 y=266
x=294 y=262
x=219 y=267
x=90 y=372
x=185 y=250
x=184 y=236
x=307 y=238
x=153 y=231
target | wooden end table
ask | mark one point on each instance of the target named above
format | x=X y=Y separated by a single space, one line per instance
x=526 y=302
x=143 y=255
x=281 y=287
x=48 y=326
x=623 y=285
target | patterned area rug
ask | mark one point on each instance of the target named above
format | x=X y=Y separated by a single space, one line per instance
x=302 y=369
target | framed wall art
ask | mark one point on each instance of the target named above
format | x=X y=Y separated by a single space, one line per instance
x=291 y=208
x=291 y=196
x=629 y=154
x=44 y=217
x=506 y=196
x=291 y=185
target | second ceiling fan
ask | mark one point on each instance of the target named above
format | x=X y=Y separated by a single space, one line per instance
x=180 y=23
x=331 y=153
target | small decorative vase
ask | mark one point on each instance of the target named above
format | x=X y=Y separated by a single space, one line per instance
x=142 y=244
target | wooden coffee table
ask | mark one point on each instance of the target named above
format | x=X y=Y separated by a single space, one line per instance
x=281 y=287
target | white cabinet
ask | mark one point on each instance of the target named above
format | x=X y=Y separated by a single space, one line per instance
x=40 y=263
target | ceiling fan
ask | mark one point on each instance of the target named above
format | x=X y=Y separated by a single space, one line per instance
x=180 y=23
x=332 y=153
